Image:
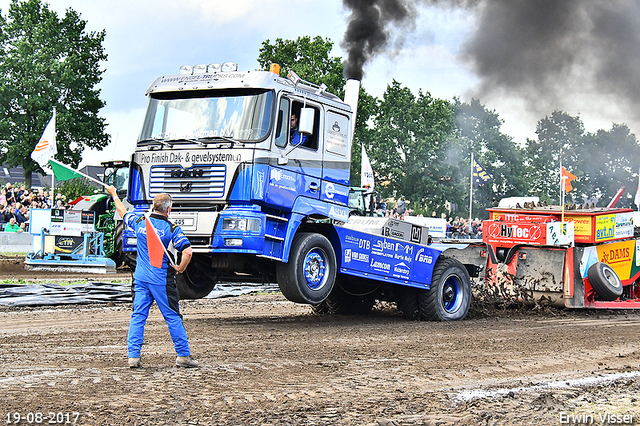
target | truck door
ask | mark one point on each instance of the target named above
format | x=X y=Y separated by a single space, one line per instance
x=296 y=170
x=336 y=158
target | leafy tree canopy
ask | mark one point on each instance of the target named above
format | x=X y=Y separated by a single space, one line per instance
x=603 y=161
x=478 y=132
x=609 y=160
x=309 y=58
x=408 y=148
x=46 y=62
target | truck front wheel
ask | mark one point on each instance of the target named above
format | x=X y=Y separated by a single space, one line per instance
x=194 y=283
x=309 y=275
x=449 y=297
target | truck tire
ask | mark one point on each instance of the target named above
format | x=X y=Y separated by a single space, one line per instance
x=407 y=301
x=129 y=258
x=605 y=281
x=449 y=297
x=309 y=275
x=342 y=303
x=193 y=283
x=118 y=255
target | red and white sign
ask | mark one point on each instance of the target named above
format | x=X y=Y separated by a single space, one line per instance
x=510 y=233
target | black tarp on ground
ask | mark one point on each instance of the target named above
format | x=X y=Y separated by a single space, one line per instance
x=96 y=292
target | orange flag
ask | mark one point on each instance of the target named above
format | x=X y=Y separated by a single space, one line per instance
x=154 y=245
x=566 y=180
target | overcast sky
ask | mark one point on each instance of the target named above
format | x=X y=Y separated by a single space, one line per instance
x=146 y=39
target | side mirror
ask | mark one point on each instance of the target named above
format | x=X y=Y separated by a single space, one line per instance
x=307 y=116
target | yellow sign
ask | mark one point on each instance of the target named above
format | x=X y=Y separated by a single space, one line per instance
x=582 y=227
x=605 y=227
x=619 y=256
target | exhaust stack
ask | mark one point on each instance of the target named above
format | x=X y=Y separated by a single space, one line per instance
x=351 y=96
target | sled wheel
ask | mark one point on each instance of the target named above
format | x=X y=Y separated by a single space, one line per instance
x=407 y=301
x=309 y=275
x=605 y=281
x=193 y=283
x=449 y=297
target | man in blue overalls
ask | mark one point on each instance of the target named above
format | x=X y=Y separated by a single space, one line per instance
x=156 y=283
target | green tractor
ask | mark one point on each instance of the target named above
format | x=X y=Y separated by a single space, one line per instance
x=362 y=202
x=108 y=221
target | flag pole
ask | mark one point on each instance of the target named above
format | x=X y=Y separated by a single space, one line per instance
x=55 y=151
x=53 y=190
x=79 y=172
x=562 y=192
x=471 y=191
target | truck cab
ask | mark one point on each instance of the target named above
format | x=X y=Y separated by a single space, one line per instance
x=218 y=140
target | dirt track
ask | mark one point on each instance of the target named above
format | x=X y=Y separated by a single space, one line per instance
x=268 y=361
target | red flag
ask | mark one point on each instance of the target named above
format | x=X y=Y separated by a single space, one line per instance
x=566 y=180
x=154 y=245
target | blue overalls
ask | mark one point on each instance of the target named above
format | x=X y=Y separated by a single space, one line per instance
x=159 y=284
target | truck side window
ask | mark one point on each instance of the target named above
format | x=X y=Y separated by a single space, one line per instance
x=282 y=125
x=310 y=141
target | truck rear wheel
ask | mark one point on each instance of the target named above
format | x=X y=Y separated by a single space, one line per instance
x=449 y=297
x=194 y=283
x=309 y=275
x=605 y=281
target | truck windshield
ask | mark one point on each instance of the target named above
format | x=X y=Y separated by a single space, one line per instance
x=117 y=177
x=237 y=114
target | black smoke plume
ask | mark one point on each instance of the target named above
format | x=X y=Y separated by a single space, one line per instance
x=368 y=32
x=546 y=52
x=379 y=26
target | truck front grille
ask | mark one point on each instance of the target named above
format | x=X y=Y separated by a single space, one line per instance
x=206 y=181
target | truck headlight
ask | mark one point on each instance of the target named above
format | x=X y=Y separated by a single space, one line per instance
x=235 y=224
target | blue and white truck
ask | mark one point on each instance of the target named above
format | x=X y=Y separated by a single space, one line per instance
x=258 y=208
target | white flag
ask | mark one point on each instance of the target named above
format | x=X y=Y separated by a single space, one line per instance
x=636 y=201
x=366 y=173
x=46 y=147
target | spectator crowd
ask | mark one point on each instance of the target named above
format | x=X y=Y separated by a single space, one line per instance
x=461 y=228
x=16 y=203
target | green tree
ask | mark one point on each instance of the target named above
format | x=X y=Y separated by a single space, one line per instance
x=560 y=136
x=47 y=62
x=409 y=147
x=75 y=188
x=309 y=58
x=478 y=131
x=608 y=160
